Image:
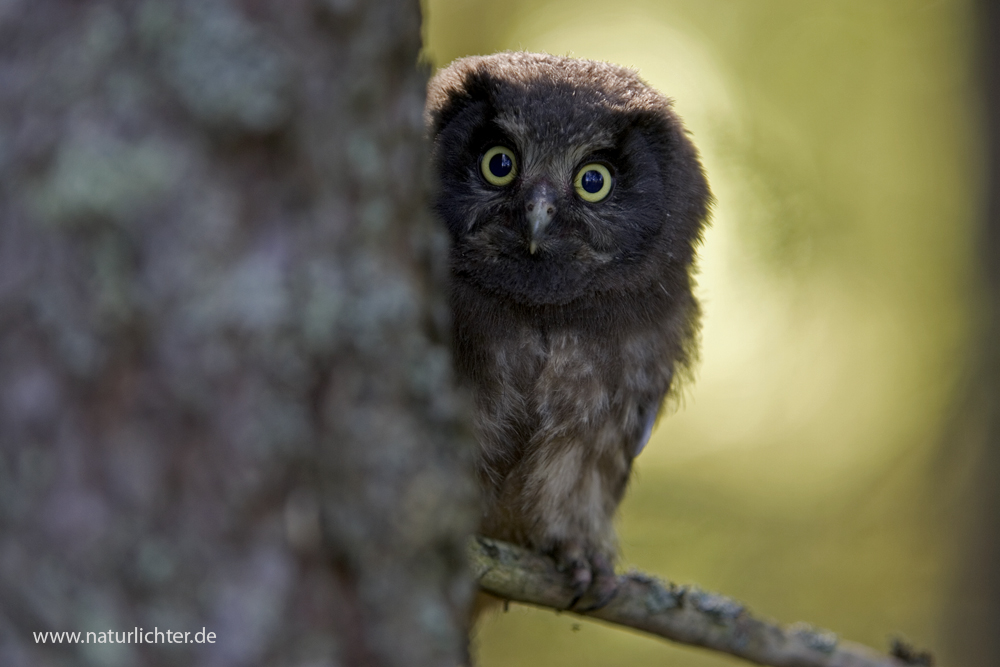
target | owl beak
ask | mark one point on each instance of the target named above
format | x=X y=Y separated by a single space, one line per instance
x=540 y=209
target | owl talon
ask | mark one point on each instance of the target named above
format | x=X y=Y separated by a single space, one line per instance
x=604 y=585
x=581 y=577
x=603 y=590
x=593 y=579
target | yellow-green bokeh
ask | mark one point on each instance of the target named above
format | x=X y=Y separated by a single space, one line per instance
x=800 y=470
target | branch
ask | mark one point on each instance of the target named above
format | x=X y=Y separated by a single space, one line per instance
x=681 y=613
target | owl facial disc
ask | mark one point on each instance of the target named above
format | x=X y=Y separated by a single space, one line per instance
x=540 y=208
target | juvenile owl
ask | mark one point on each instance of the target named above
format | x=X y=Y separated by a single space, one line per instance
x=574 y=200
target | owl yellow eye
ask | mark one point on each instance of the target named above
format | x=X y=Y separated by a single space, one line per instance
x=498 y=165
x=593 y=182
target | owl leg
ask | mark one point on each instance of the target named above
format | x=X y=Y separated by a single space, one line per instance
x=560 y=500
x=572 y=493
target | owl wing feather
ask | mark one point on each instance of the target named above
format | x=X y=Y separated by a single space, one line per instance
x=651 y=414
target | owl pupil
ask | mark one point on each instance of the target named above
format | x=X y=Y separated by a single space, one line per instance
x=592 y=181
x=500 y=165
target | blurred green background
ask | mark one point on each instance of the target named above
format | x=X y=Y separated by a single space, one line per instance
x=809 y=469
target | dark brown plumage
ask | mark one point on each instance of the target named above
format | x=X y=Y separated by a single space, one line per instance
x=574 y=201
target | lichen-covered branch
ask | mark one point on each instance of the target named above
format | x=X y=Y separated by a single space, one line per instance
x=681 y=613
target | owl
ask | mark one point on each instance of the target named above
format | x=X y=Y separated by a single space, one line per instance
x=574 y=201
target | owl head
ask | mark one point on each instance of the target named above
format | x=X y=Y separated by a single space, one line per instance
x=562 y=179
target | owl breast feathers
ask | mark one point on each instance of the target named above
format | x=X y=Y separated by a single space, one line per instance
x=574 y=201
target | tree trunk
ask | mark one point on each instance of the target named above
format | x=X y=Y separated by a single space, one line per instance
x=975 y=614
x=225 y=395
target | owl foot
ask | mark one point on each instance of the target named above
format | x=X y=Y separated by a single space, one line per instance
x=592 y=577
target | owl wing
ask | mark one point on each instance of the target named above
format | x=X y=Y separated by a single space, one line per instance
x=648 y=414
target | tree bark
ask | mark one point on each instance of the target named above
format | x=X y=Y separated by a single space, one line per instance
x=225 y=395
